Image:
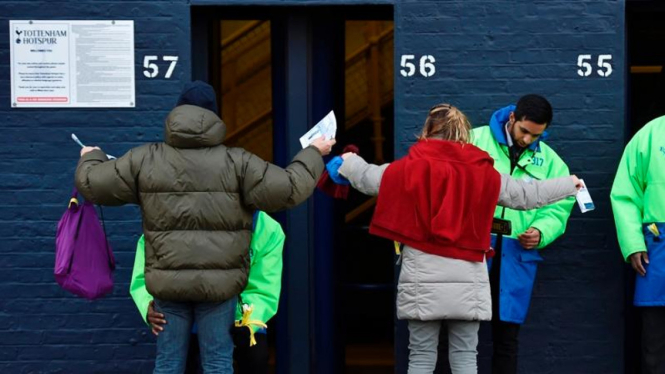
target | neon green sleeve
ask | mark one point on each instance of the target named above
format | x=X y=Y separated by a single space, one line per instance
x=627 y=198
x=137 y=288
x=551 y=220
x=265 y=274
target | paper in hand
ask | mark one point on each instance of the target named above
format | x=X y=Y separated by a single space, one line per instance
x=76 y=139
x=584 y=199
x=326 y=127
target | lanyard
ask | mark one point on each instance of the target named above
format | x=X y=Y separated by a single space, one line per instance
x=527 y=172
x=514 y=162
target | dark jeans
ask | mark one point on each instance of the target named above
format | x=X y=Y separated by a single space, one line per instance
x=653 y=340
x=505 y=341
x=248 y=360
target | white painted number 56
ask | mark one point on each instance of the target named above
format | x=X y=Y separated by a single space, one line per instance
x=427 y=68
x=409 y=65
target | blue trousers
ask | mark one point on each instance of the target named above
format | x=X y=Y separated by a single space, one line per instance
x=214 y=322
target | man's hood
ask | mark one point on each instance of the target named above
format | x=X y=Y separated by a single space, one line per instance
x=498 y=127
x=189 y=126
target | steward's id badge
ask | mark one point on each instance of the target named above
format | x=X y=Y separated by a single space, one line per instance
x=501 y=226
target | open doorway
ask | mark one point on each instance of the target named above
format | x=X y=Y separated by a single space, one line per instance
x=366 y=270
x=645 y=25
x=277 y=71
x=645 y=35
x=244 y=84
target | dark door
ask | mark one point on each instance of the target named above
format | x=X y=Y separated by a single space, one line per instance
x=278 y=71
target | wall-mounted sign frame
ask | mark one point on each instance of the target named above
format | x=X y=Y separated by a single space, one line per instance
x=69 y=64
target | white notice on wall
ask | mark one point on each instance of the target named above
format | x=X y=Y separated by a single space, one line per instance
x=67 y=64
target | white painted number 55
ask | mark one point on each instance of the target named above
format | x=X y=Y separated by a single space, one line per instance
x=585 y=68
x=603 y=62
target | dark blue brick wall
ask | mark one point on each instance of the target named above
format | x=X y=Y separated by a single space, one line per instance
x=488 y=53
x=42 y=328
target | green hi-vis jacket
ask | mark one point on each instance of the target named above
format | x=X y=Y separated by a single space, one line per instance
x=638 y=193
x=265 y=272
x=538 y=161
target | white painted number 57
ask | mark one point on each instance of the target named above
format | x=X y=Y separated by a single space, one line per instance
x=152 y=70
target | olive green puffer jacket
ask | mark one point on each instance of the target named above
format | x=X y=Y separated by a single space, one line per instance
x=197 y=197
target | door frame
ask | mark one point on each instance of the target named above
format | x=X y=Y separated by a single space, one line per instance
x=305 y=88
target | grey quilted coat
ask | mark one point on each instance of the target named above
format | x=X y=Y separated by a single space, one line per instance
x=432 y=287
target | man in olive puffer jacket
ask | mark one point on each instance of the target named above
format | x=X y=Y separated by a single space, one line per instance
x=197 y=199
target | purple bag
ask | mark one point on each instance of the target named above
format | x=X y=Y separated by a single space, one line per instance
x=84 y=261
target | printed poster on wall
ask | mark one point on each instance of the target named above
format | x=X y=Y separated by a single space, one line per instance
x=69 y=64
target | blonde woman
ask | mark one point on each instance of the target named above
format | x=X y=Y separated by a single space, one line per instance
x=438 y=201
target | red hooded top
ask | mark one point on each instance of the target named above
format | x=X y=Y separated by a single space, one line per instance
x=439 y=199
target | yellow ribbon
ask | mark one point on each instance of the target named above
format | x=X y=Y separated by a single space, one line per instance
x=654 y=229
x=246 y=322
x=397 y=251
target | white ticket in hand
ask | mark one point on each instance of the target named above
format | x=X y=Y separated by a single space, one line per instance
x=584 y=199
x=326 y=127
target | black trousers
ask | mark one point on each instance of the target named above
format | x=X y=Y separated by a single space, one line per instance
x=248 y=360
x=653 y=340
x=505 y=341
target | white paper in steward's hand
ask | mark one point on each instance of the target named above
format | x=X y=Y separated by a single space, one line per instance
x=584 y=199
x=326 y=127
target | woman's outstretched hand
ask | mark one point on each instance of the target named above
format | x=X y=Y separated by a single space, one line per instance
x=347 y=155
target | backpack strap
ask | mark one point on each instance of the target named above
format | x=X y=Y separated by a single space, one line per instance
x=74 y=199
x=106 y=240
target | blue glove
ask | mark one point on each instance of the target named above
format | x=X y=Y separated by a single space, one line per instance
x=333 y=170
